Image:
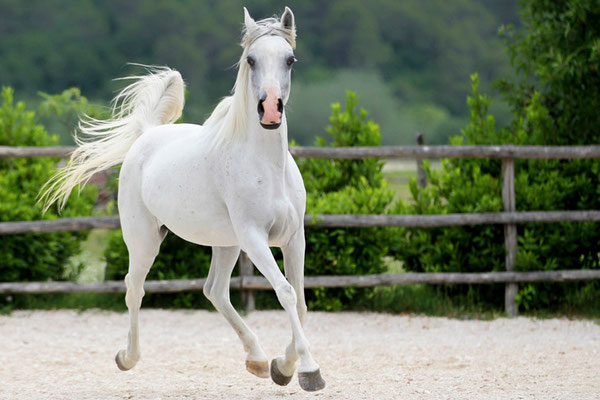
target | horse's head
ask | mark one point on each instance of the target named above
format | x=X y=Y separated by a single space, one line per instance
x=269 y=56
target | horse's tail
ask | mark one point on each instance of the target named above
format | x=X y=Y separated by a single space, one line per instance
x=153 y=99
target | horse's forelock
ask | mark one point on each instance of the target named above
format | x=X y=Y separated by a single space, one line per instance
x=267 y=27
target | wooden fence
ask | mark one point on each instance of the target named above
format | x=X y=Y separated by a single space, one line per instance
x=247 y=282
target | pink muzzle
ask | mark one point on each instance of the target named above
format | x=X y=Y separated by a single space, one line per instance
x=270 y=109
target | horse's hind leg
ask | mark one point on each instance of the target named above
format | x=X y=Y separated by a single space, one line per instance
x=216 y=290
x=143 y=238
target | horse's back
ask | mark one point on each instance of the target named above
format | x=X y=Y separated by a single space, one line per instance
x=157 y=138
x=155 y=144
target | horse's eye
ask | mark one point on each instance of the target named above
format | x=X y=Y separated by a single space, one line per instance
x=291 y=60
x=251 y=61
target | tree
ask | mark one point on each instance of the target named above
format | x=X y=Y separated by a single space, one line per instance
x=424 y=51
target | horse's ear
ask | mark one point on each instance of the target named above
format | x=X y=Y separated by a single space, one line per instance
x=248 y=21
x=287 y=19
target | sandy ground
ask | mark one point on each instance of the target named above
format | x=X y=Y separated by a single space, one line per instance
x=196 y=355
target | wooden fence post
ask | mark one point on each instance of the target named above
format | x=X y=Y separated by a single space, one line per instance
x=510 y=233
x=246 y=269
x=421 y=177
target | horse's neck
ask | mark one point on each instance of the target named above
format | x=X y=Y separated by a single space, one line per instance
x=272 y=145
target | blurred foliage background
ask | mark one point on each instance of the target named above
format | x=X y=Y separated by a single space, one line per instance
x=410 y=60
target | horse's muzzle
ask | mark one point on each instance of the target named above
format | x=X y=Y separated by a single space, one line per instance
x=270 y=112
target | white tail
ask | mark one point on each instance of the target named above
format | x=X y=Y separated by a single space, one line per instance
x=153 y=99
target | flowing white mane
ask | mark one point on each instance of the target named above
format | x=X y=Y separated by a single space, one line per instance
x=228 y=119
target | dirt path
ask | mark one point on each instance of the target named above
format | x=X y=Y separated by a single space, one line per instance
x=196 y=355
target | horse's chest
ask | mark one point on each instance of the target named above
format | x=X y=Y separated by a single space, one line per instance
x=274 y=210
x=262 y=196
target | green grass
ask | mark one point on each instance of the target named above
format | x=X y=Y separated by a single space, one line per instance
x=424 y=299
x=398 y=182
x=419 y=299
x=398 y=174
x=428 y=300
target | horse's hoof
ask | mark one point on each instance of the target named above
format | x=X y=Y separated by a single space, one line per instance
x=277 y=376
x=311 y=381
x=258 y=368
x=120 y=363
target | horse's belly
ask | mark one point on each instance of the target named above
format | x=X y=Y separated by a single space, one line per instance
x=204 y=230
x=202 y=224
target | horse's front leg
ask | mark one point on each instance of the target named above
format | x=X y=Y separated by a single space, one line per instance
x=282 y=368
x=255 y=244
x=216 y=289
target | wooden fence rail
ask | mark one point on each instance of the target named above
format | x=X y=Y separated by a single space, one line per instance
x=260 y=283
x=509 y=218
x=413 y=152
x=334 y=221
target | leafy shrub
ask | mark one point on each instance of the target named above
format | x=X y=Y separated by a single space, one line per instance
x=33 y=257
x=345 y=187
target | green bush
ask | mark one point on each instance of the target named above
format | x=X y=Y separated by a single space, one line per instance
x=33 y=257
x=345 y=187
x=554 y=101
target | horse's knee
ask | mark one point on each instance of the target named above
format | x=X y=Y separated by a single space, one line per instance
x=286 y=295
x=134 y=299
x=219 y=299
x=135 y=291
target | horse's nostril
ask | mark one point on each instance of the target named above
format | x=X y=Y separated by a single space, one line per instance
x=261 y=108
x=280 y=106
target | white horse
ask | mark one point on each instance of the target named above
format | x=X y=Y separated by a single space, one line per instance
x=230 y=183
